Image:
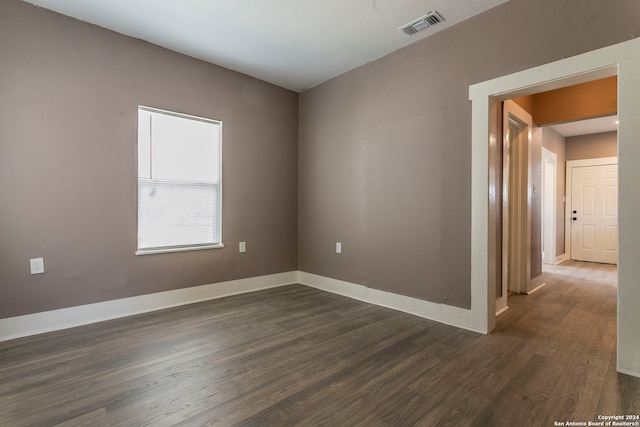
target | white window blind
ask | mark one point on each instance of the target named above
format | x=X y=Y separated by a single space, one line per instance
x=179 y=181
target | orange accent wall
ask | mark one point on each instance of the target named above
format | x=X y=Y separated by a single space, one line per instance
x=527 y=103
x=592 y=99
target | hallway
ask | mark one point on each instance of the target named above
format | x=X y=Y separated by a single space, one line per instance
x=570 y=329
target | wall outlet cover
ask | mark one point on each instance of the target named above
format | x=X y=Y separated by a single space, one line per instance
x=37 y=265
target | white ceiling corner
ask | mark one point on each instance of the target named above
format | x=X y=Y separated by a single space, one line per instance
x=296 y=44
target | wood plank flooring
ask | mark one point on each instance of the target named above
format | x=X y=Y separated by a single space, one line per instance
x=298 y=356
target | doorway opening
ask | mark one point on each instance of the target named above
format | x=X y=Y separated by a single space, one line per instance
x=623 y=60
x=580 y=145
x=532 y=217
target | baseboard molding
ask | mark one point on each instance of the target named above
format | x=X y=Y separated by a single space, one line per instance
x=54 y=320
x=536 y=283
x=502 y=310
x=442 y=313
x=48 y=321
x=561 y=258
x=629 y=372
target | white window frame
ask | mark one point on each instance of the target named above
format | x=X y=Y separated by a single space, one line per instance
x=217 y=214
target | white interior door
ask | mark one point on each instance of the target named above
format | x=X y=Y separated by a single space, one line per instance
x=594 y=214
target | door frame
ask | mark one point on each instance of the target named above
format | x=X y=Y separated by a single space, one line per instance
x=549 y=253
x=623 y=60
x=600 y=161
x=516 y=203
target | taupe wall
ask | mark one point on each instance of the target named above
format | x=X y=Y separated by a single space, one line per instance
x=69 y=94
x=592 y=146
x=380 y=158
x=385 y=149
x=554 y=142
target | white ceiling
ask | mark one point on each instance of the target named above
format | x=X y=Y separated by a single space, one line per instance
x=296 y=44
x=587 y=127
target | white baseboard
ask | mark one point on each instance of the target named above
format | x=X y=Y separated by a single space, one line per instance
x=630 y=372
x=561 y=258
x=37 y=323
x=536 y=283
x=442 y=313
x=501 y=310
x=54 y=320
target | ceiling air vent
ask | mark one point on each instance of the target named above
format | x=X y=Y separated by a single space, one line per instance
x=430 y=19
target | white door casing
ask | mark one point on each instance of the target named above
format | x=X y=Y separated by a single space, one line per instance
x=623 y=60
x=549 y=179
x=516 y=202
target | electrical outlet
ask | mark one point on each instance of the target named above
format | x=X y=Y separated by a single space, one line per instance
x=37 y=265
x=242 y=247
x=338 y=247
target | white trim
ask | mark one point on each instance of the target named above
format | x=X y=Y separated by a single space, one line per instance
x=549 y=156
x=628 y=339
x=537 y=288
x=48 y=321
x=536 y=284
x=561 y=258
x=516 y=215
x=441 y=313
x=178 y=114
x=483 y=295
x=178 y=249
x=623 y=60
x=627 y=372
x=568 y=223
x=502 y=310
x=501 y=305
x=598 y=161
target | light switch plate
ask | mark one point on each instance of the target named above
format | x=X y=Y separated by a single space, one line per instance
x=242 y=247
x=338 y=247
x=37 y=265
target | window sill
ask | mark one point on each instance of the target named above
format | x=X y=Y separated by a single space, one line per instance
x=184 y=249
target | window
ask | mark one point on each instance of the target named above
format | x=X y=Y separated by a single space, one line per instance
x=179 y=182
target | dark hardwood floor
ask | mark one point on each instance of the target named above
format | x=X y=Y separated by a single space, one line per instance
x=298 y=356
